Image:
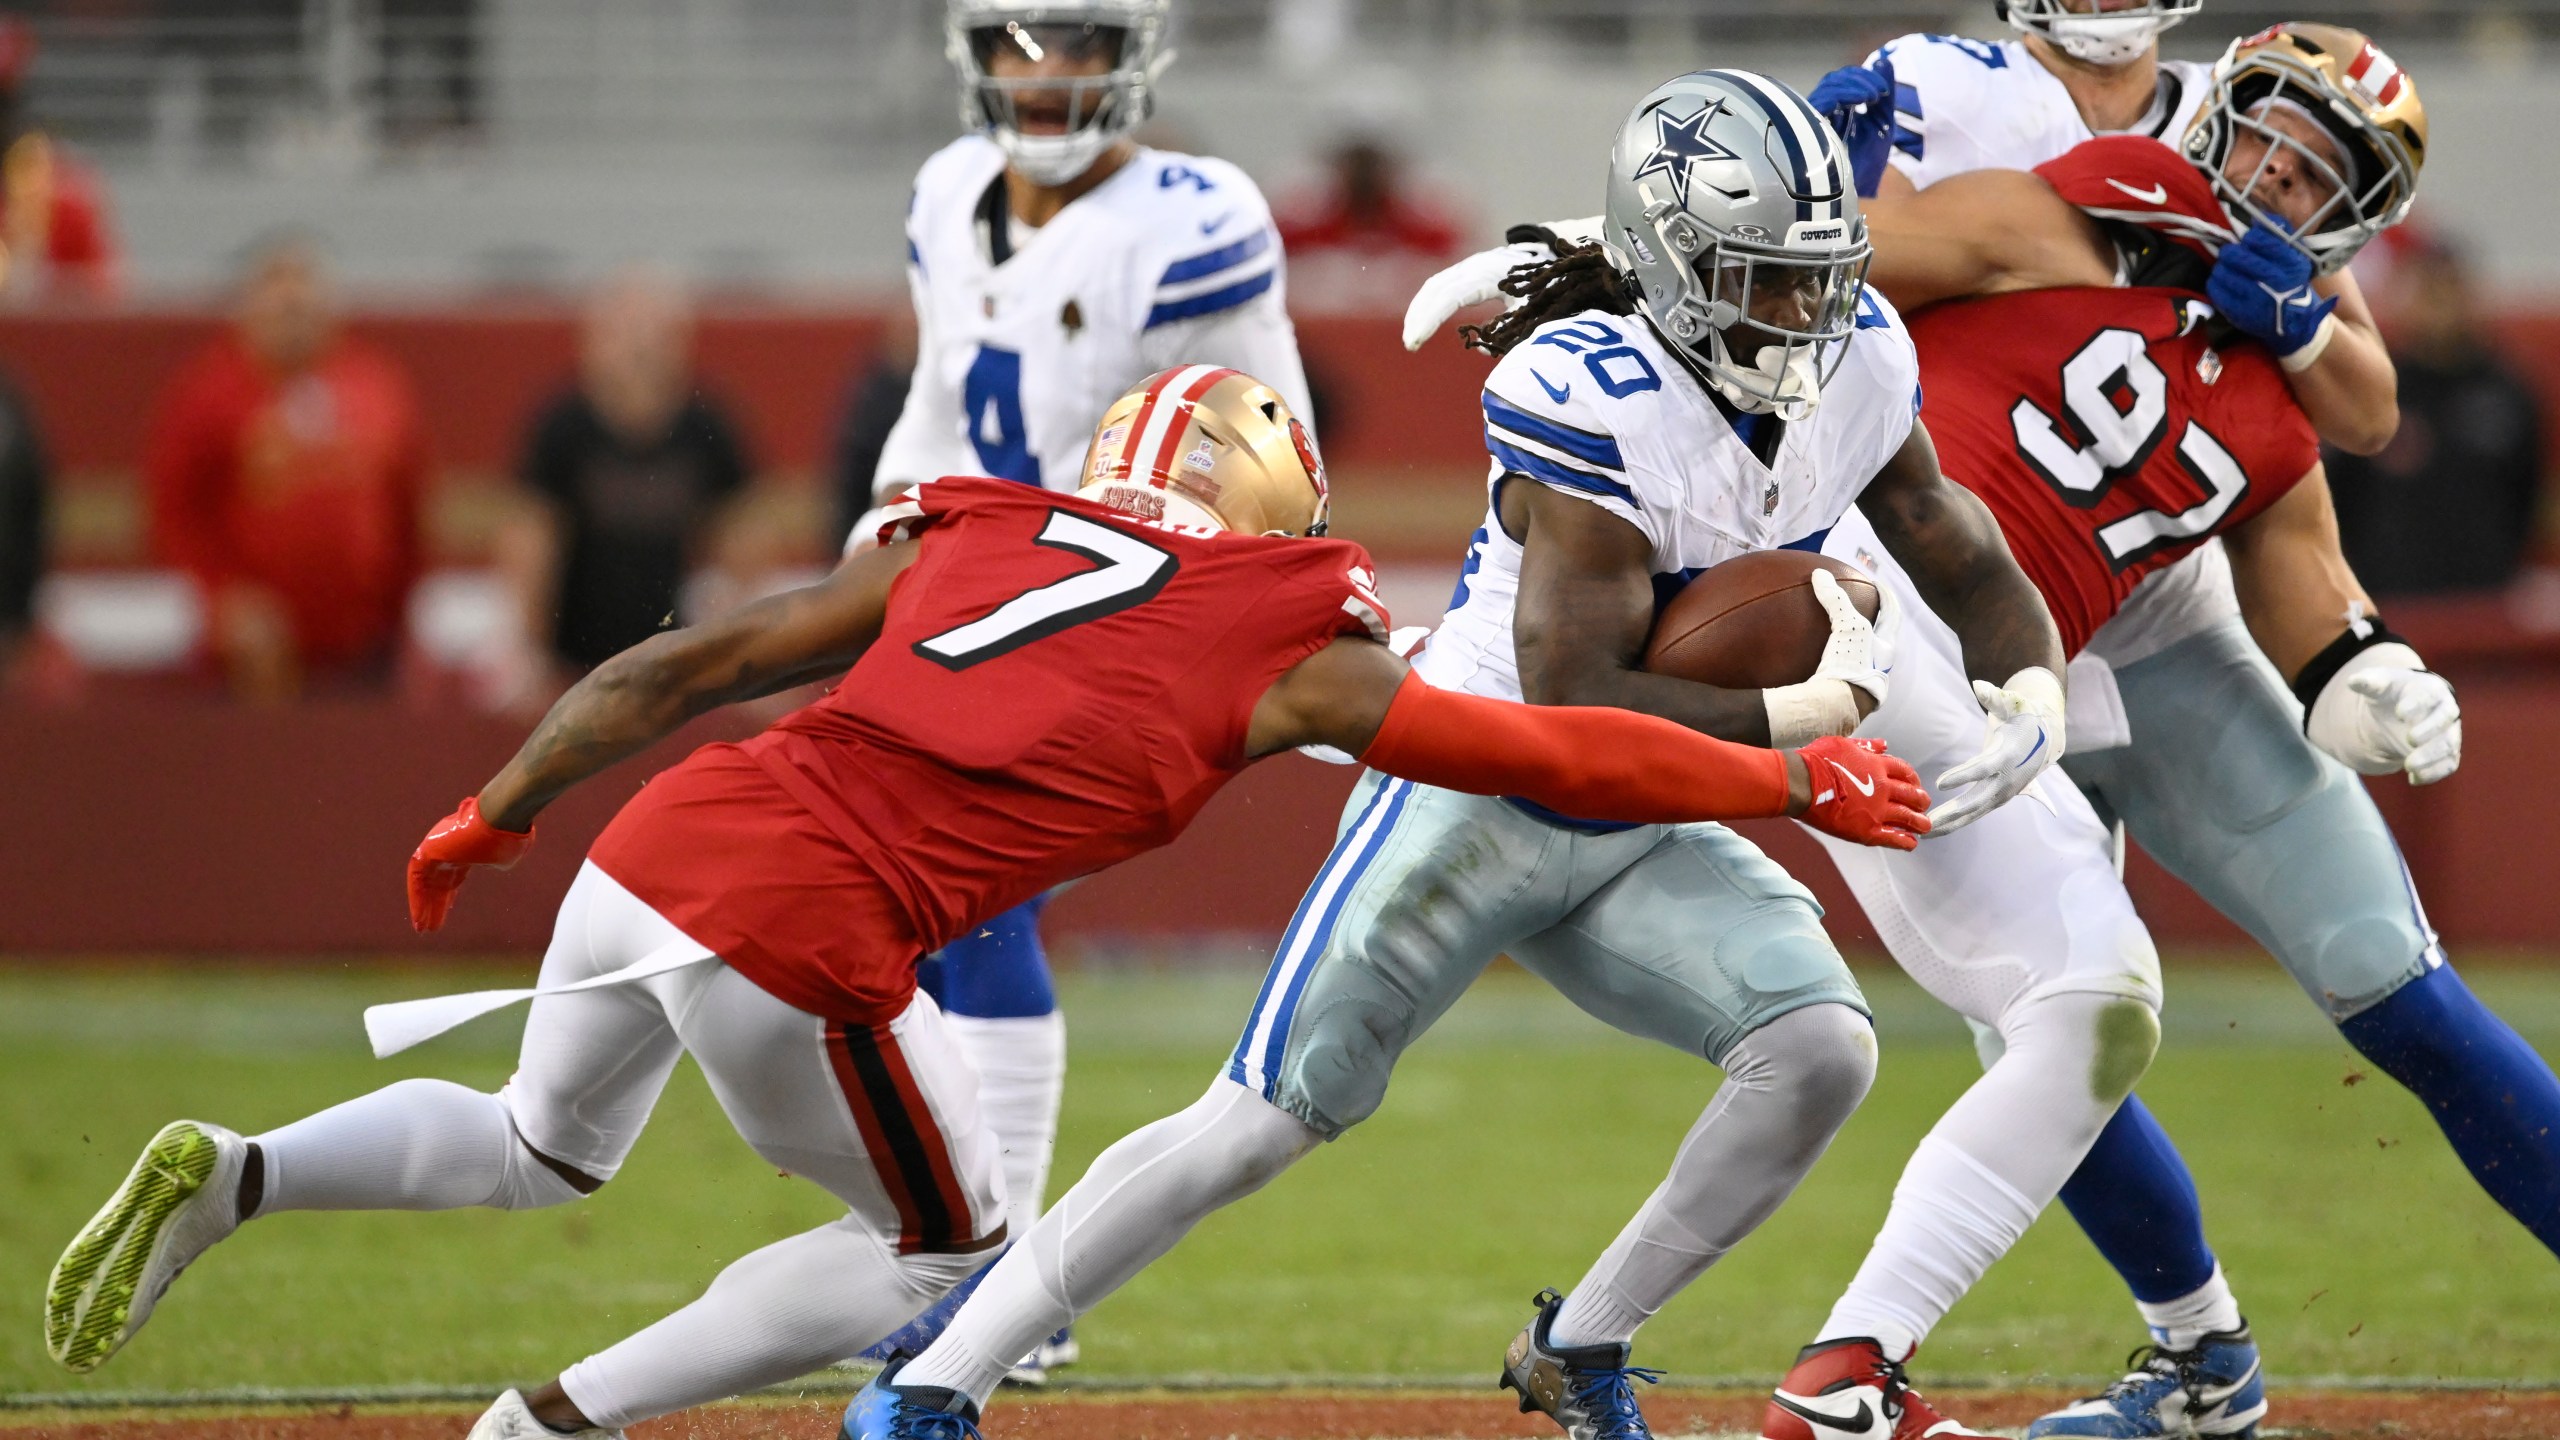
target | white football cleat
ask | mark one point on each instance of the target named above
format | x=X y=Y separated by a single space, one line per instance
x=179 y=1198
x=509 y=1418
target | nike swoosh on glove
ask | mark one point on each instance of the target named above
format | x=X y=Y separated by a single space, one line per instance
x=2021 y=736
x=1477 y=279
x=1858 y=101
x=2386 y=711
x=1863 y=795
x=2262 y=285
x=458 y=844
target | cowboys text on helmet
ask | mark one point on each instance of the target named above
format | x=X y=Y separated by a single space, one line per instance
x=1731 y=213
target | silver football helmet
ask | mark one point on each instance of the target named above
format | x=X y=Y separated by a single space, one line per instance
x=1098 y=108
x=2096 y=35
x=1732 y=216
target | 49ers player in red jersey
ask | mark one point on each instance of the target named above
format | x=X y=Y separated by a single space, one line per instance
x=1040 y=685
x=2082 y=385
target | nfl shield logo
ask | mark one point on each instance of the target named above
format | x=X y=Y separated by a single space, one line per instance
x=1769 y=500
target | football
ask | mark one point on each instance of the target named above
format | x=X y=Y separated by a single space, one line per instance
x=1752 y=622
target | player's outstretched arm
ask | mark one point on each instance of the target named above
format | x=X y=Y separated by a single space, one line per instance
x=1981 y=233
x=1599 y=763
x=1957 y=560
x=644 y=694
x=2367 y=697
x=641 y=696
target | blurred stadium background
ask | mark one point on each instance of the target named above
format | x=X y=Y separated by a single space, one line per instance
x=199 y=864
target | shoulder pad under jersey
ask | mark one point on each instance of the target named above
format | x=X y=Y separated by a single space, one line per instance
x=2139 y=181
x=1209 y=242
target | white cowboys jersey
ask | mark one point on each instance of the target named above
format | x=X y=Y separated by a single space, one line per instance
x=1173 y=260
x=1596 y=406
x=1964 y=105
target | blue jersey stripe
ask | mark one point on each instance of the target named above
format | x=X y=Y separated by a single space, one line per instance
x=1539 y=467
x=1581 y=444
x=1224 y=258
x=1212 y=302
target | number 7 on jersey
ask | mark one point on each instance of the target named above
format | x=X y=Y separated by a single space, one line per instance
x=1128 y=572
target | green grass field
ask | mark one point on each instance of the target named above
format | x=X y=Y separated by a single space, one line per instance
x=1517 y=1138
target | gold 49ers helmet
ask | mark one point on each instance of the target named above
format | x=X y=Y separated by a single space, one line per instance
x=1201 y=445
x=2341 y=81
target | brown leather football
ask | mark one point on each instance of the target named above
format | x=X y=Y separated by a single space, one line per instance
x=1752 y=623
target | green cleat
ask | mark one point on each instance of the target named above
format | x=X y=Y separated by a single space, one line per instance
x=181 y=1197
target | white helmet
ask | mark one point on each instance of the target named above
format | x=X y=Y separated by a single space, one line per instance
x=2096 y=37
x=1101 y=108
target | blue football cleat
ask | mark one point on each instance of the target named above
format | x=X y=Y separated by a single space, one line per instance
x=885 y=1410
x=1588 y=1389
x=2215 y=1389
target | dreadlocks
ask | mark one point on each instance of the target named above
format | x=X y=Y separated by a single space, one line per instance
x=1579 y=278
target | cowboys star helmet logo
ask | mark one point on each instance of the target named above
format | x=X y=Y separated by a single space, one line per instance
x=1679 y=146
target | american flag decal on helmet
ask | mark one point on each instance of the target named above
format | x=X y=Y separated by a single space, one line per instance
x=2373 y=75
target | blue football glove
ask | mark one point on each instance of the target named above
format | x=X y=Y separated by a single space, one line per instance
x=1858 y=101
x=2262 y=285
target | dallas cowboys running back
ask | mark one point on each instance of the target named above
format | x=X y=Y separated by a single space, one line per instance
x=1054 y=262
x=1717 y=381
x=2225 y=756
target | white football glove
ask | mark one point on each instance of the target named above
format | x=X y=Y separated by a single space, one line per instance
x=2385 y=710
x=1802 y=713
x=2021 y=736
x=1477 y=279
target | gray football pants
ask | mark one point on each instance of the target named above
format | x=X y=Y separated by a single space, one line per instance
x=2223 y=789
x=1685 y=934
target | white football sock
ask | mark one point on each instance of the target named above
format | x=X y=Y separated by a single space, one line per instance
x=1788 y=1088
x=1022 y=1071
x=1141 y=1196
x=793 y=1307
x=2181 y=1323
x=1993 y=1161
x=416 y=1145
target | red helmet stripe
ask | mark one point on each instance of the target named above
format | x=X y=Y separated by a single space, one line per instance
x=1138 y=421
x=1181 y=418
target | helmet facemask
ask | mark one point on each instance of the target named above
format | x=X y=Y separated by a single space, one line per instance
x=1072 y=118
x=2368 y=172
x=2105 y=38
x=1735 y=297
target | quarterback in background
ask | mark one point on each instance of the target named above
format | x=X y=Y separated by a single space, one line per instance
x=1054 y=262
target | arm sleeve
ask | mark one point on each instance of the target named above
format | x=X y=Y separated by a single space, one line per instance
x=1592 y=761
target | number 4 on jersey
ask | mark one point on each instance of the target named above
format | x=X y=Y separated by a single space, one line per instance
x=1128 y=572
x=2115 y=402
x=991 y=398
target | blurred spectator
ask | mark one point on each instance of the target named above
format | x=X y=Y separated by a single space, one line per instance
x=871 y=406
x=632 y=465
x=23 y=473
x=2451 y=504
x=55 y=240
x=1365 y=236
x=286 y=466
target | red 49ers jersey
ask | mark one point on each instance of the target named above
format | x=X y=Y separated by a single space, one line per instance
x=1057 y=687
x=2107 y=431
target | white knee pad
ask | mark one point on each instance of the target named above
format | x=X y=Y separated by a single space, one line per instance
x=2112 y=1033
x=528 y=1183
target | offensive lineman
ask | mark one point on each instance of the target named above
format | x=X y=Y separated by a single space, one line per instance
x=1746 y=404
x=2327 y=894
x=1054 y=684
x=1054 y=262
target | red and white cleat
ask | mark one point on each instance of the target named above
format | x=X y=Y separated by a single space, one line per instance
x=1847 y=1390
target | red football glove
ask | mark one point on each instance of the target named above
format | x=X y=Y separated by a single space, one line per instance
x=462 y=840
x=1864 y=795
